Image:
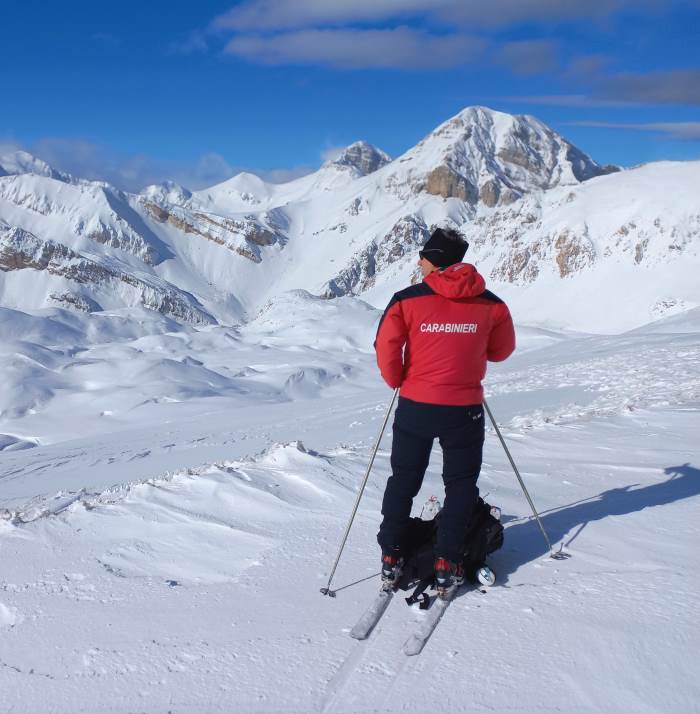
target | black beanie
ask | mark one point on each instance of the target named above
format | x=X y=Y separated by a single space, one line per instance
x=444 y=248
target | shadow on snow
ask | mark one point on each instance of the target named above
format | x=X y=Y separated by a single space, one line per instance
x=524 y=542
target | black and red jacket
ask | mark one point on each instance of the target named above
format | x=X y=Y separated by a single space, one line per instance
x=435 y=337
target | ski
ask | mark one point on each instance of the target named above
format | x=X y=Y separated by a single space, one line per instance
x=371 y=616
x=415 y=643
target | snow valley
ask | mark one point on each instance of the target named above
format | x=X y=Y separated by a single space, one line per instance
x=189 y=398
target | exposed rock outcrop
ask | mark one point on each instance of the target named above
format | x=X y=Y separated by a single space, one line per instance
x=244 y=237
x=572 y=252
x=405 y=237
x=363 y=157
x=490 y=192
x=446 y=182
x=21 y=250
x=75 y=301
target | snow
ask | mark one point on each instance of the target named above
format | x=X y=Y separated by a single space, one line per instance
x=22 y=162
x=182 y=438
x=165 y=537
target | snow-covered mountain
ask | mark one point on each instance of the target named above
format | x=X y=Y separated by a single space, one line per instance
x=543 y=219
x=22 y=162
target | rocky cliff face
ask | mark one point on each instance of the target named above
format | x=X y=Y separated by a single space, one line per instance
x=244 y=237
x=402 y=240
x=21 y=250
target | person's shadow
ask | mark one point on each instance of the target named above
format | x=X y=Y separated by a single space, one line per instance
x=523 y=541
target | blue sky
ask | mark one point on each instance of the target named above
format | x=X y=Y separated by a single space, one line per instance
x=136 y=92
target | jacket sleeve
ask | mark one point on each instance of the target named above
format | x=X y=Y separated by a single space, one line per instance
x=392 y=334
x=502 y=336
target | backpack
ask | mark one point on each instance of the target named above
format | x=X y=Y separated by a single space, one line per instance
x=483 y=536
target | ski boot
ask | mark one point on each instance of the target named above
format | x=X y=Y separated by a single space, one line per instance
x=392 y=566
x=448 y=577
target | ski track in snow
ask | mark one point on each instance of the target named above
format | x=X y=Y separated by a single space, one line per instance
x=176 y=565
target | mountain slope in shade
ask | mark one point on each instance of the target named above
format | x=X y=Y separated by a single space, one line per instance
x=542 y=218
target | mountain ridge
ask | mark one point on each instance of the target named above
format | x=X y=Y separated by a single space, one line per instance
x=525 y=197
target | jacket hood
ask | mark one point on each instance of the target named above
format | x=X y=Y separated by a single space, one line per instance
x=460 y=280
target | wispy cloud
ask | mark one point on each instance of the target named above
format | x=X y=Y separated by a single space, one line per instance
x=402 y=47
x=589 y=66
x=266 y=15
x=195 y=41
x=686 y=131
x=528 y=57
x=427 y=34
x=681 y=86
x=284 y=175
x=501 y=13
x=567 y=100
x=331 y=153
x=8 y=146
x=90 y=161
x=269 y=15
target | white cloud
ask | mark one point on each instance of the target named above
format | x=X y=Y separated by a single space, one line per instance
x=284 y=175
x=8 y=146
x=331 y=153
x=680 y=86
x=87 y=160
x=411 y=34
x=687 y=131
x=566 y=100
x=268 y=15
x=401 y=47
x=528 y=57
x=255 y=15
x=501 y=13
x=589 y=66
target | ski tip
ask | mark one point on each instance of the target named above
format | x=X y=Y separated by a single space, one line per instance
x=328 y=591
x=359 y=635
x=413 y=647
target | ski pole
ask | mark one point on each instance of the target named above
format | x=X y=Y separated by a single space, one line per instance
x=558 y=555
x=327 y=590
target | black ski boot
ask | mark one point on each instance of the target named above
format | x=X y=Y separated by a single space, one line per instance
x=448 y=577
x=392 y=566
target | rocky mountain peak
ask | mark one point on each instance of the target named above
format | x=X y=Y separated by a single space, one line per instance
x=363 y=157
x=484 y=156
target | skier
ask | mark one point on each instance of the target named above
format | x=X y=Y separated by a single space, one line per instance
x=433 y=342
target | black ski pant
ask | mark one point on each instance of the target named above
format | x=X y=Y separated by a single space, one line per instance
x=460 y=431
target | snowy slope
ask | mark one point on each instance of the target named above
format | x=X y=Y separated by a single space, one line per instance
x=167 y=555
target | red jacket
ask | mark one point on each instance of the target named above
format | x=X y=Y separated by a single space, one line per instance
x=450 y=325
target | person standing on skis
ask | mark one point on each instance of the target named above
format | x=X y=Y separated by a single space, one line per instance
x=433 y=341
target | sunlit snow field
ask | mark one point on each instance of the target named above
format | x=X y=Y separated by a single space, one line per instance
x=172 y=499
